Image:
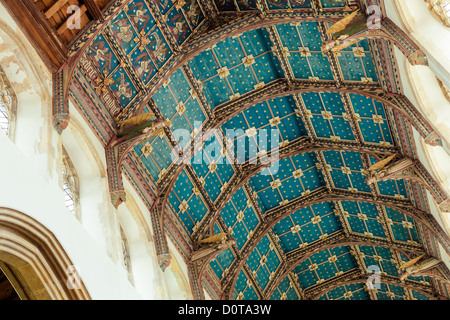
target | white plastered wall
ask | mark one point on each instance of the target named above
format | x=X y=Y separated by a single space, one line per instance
x=31 y=182
x=422 y=89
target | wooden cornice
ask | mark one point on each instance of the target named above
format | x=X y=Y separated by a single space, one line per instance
x=39 y=32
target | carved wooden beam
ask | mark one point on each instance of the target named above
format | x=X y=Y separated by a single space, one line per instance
x=64 y=70
x=358 y=29
x=136 y=173
x=425 y=266
x=281 y=87
x=89 y=33
x=50 y=46
x=159 y=235
x=204 y=251
x=410 y=169
x=249 y=21
x=198 y=91
x=296 y=147
x=116 y=151
x=210 y=11
x=94 y=10
x=240 y=22
x=39 y=32
x=195 y=281
x=280 y=52
x=277 y=88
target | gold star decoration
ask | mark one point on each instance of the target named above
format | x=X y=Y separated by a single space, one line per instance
x=143 y=40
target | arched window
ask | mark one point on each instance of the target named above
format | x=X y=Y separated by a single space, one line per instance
x=70 y=185
x=7 y=105
x=440 y=9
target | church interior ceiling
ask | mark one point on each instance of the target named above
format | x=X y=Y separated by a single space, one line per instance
x=312 y=227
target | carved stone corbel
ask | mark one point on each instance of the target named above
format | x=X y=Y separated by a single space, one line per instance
x=433 y=139
x=445 y=206
x=418 y=58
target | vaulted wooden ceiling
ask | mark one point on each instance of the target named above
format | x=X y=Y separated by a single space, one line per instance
x=309 y=230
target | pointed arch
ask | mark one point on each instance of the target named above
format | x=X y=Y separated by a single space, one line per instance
x=36 y=258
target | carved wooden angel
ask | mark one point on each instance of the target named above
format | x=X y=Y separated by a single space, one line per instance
x=137 y=125
x=212 y=246
x=343 y=30
x=421 y=266
x=386 y=169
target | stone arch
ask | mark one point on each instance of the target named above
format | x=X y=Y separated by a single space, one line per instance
x=30 y=81
x=431 y=101
x=95 y=210
x=178 y=279
x=36 y=260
